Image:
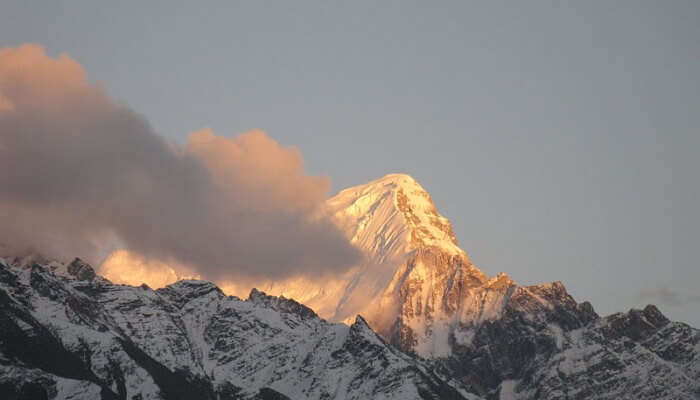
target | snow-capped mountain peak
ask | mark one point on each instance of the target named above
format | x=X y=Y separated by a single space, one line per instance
x=391 y=220
x=391 y=216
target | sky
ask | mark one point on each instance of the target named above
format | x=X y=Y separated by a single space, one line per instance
x=560 y=139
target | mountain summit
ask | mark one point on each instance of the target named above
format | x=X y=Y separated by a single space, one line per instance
x=392 y=216
x=392 y=220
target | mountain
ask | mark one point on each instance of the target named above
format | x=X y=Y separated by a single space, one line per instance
x=416 y=287
x=419 y=290
x=432 y=325
x=67 y=333
x=391 y=220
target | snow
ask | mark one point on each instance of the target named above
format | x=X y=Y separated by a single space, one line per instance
x=558 y=335
x=464 y=337
x=435 y=344
x=382 y=215
x=508 y=390
x=73 y=389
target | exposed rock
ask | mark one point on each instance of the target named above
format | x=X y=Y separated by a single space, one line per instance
x=81 y=270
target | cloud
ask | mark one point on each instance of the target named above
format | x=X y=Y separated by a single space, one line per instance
x=128 y=268
x=83 y=175
x=669 y=297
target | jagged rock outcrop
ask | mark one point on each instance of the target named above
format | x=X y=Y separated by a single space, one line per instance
x=81 y=270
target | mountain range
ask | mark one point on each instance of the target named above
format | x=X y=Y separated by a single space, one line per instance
x=414 y=319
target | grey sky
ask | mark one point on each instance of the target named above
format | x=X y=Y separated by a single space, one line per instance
x=559 y=138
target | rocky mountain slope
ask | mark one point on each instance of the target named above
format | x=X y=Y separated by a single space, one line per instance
x=67 y=333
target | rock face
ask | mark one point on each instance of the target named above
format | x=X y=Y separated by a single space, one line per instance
x=81 y=270
x=64 y=335
x=635 y=355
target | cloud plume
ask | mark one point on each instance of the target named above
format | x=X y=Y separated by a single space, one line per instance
x=81 y=175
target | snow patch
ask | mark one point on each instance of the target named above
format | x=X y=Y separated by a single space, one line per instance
x=507 y=391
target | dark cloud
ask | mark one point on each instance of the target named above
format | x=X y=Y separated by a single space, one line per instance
x=669 y=297
x=78 y=171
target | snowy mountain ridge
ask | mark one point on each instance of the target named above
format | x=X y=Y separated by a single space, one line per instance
x=80 y=336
